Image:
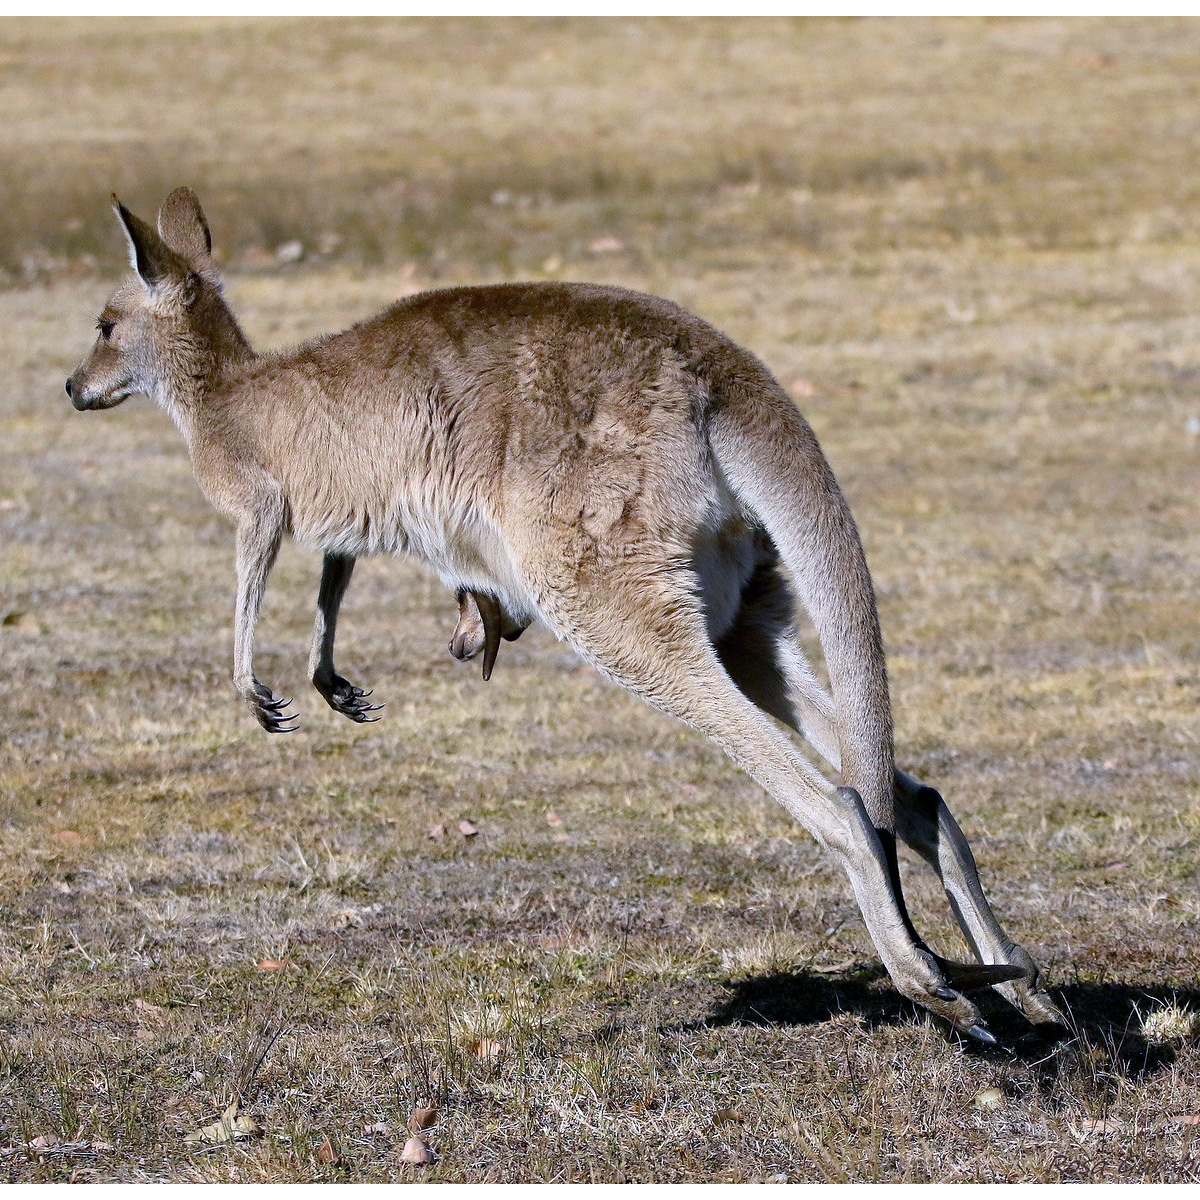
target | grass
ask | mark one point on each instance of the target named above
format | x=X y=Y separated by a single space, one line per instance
x=970 y=249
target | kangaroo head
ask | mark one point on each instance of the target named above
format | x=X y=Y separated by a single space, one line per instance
x=166 y=327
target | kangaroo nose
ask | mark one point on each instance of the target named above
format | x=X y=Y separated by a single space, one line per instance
x=69 y=391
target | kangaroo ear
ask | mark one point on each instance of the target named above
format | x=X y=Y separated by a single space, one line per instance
x=149 y=255
x=182 y=225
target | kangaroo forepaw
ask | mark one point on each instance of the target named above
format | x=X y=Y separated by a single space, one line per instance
x=342 y=696
x=269 y=712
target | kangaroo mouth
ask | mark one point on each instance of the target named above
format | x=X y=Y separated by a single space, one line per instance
x=92 y=403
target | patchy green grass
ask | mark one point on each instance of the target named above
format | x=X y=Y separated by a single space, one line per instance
x=970 y=249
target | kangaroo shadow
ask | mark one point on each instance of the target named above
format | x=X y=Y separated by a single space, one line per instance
x=1103 y=1035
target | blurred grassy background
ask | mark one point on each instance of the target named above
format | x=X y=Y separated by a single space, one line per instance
x=971 y=250
x=507 y=142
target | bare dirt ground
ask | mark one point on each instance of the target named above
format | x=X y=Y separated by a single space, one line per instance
x=972 y=251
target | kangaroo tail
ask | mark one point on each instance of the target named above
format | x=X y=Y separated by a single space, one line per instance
x=771 y=460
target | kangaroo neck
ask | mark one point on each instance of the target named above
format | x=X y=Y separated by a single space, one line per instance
x=225 y=352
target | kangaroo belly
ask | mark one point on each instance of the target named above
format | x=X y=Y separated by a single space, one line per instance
x=466 y=550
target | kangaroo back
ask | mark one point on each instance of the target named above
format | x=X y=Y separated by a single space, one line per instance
x=771 y=459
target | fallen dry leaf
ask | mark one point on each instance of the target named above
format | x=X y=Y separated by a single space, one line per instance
x=468 y=828
x=273 y=964
x=52 y=1144
x=232 y=1127
x=422 y=1118
x=437 y=833
x=554 y=820
x=415 y=1151
x=1088 y=1127
x=989 y=1099
x=327 y=1154
x=728 y=1116
x=487 y=1049
x=154 y=1012
x=68 y=835
x=23 y=622
x=378 y=1127
x=1179 y=1119
x=61 y=886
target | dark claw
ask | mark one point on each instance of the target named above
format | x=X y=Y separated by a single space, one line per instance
x=945 y=993
x=359 y=713
x=981 y=1034
x=270 y=713
x=489 y=612
x=973 y=977
x=343 y=697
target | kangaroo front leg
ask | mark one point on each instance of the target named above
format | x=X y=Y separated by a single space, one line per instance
x=257 y=545
x=340 y=694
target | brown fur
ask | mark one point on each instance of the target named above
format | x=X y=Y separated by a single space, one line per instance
x=600 y=460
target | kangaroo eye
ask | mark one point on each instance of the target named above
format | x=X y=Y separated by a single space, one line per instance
x=106 y=328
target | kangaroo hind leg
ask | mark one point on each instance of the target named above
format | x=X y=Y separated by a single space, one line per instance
x=650 y=636
x=763 y=656
x=762 y=653
x=926 y=824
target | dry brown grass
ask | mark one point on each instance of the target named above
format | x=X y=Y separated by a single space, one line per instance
x=975 y=245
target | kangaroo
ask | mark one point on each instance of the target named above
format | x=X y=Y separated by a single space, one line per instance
x=596 y=459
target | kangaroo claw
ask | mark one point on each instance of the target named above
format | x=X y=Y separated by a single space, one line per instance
x=489 y=611
x=343 y=697
x=973 y=977
x=982 y=1034
x=269 y=712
